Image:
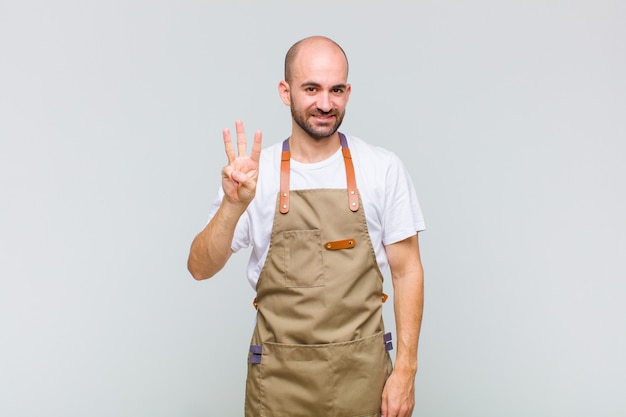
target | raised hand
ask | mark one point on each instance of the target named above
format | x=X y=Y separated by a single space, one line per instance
x=240 y=176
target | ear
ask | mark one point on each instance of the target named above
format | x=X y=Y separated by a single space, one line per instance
x=348 y=91
x=283 y=91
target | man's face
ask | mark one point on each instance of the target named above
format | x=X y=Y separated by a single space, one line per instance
x=318 y=92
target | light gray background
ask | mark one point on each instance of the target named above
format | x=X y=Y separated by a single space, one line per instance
x=510 y=116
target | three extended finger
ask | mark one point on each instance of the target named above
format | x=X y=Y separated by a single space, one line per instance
x=256 y=146
x=228 y=145
x=241 y=138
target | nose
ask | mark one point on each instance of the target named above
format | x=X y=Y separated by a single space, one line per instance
x=323 y=102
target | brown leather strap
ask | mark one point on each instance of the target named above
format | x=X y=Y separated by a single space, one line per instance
x=340 y=244
x=353 y=194
x=284 y=181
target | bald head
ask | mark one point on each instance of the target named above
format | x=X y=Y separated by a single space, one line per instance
x=311 y=45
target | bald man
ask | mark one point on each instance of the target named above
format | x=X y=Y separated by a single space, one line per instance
x=324 y=213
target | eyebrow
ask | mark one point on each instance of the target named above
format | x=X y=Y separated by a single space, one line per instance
x=314 y=84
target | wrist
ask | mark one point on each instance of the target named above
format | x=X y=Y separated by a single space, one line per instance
x=233 y=209
x=407 y=367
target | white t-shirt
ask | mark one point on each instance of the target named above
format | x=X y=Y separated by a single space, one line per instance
x=392 y=211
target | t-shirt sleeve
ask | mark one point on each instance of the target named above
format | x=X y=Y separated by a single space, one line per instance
x=402 y=214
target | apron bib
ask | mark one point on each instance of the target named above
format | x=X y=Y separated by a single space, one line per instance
x=318 y=348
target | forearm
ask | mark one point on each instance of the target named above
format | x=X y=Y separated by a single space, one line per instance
x=408 y=295
x=408 y=308
x=211 y=248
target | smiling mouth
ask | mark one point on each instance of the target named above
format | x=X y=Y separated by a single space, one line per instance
x=323 y=116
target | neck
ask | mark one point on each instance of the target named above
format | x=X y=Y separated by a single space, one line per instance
x=308 y=150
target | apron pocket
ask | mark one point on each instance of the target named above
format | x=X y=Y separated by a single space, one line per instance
x=303 y=261
x=361 y=369
x=296 y=381
x=337 y=379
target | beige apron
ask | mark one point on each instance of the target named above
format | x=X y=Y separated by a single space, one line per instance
x=318 y=348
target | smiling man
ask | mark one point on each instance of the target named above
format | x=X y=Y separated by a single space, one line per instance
x=324 y=213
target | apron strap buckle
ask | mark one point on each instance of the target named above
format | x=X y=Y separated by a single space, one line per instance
x=256 y=352
x=387 y=339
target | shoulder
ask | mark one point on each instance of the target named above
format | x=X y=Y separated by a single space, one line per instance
x=357 y=144
x=372 y=158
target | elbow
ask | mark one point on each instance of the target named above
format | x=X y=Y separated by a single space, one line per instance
x=198 y=277
x=199 y=274
x=202 y=265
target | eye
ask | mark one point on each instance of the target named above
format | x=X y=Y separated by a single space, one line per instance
x=337 y=90
x=310 y=89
